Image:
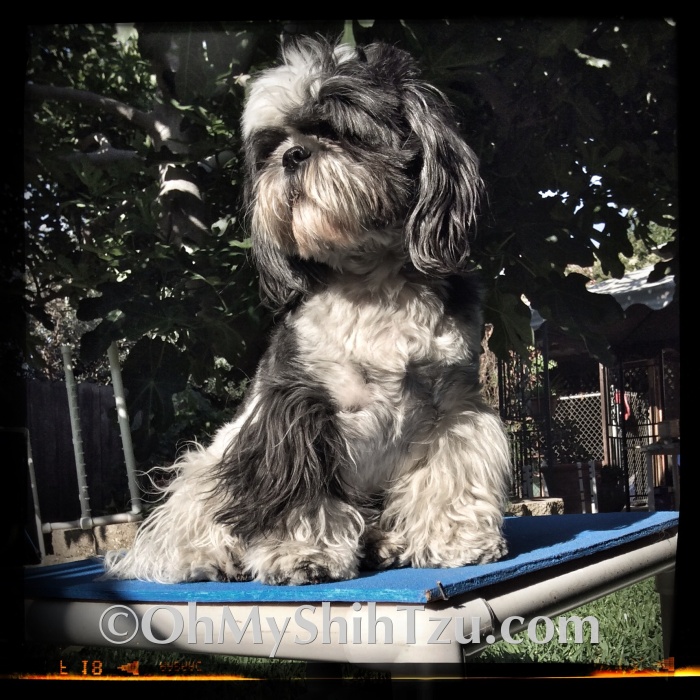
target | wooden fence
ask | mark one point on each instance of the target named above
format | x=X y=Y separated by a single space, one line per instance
x=49 y=426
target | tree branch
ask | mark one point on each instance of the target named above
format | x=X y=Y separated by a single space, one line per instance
x=141 y=119
x=162 y=124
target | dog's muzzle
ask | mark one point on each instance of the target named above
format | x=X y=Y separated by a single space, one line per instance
x=294 y=157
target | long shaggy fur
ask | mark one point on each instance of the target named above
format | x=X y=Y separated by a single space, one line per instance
x=364 y=440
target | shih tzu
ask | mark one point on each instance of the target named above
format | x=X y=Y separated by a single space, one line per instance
x=364 y=442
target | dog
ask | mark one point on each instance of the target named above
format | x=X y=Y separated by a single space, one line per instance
x=363 y=441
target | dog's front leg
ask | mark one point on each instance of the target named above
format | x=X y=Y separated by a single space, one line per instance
x=447 y=510
x=311 y=546
x=281 y=487
x=180 y=540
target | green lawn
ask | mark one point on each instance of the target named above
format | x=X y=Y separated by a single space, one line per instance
x=629 y=635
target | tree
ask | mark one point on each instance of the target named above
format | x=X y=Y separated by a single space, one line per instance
x=132 y=208
x=133 y=186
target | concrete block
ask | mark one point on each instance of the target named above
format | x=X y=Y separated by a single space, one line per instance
x=536 y=506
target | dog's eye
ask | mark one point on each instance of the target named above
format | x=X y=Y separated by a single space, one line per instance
x=321 y=129
x=326 y=131
x=266 y=141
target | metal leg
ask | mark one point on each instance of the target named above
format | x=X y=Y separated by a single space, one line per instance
x=651 y=497
x=665 y=586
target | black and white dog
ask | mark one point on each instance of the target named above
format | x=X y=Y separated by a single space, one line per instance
x=364 y=441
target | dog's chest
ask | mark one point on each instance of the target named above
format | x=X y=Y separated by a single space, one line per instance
x=385 y=360
x=392 y=361
x=380 y=333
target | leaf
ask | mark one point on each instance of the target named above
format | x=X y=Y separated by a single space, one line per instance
x=662 y=269
x=551 y=37
x=95 y=343
x=511 y=319
x=245 y=244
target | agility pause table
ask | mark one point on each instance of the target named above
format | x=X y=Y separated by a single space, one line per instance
x=422 y=619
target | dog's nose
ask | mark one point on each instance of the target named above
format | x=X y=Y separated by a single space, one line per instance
x=293 y=157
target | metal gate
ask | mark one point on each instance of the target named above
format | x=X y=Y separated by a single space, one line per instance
x=641 y=396
x=552 y=413
x=608 y=415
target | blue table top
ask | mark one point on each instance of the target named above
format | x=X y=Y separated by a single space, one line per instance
x=535 y=543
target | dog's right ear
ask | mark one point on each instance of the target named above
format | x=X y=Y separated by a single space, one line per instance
x=285 y=281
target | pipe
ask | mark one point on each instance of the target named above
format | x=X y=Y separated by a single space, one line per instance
x=88 y=523
x=71 y=388
x=665 y=587
x=35 y=496
x=33 y=488
x=594 y=486
x=124 y=427
x=570 y=590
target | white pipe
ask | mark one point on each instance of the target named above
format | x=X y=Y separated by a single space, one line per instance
x=88 y=523
x=124 y=428
x=33 y=488
x=582 y=585
x=71 y=388
x=665 y=586
x=35 y=496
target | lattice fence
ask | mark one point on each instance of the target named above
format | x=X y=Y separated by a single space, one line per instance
x=584 y=411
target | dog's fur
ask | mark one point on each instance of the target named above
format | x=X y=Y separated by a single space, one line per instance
x=364 y=441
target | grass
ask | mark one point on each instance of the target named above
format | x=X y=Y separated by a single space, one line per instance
x=629 y=638
x=629 y=635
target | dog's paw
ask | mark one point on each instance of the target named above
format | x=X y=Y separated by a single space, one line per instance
x=496 y=551
x=482 y=551
x=223 y=571
x=295 y=564
x=382 y=550
x=226 y=576
x=304 y=572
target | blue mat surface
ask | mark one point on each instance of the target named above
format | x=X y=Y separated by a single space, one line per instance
x=535 y=543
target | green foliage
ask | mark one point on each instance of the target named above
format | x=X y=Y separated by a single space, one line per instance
x=144 y=241
x=133 y=186
x=583 y=109
x=652 y=249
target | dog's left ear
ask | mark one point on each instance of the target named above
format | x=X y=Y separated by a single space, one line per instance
x=448 y=188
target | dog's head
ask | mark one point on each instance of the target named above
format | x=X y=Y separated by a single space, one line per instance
x=348 y=153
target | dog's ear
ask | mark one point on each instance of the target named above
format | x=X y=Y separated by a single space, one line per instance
x=284 y=281
x=448 y=185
